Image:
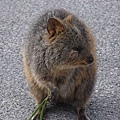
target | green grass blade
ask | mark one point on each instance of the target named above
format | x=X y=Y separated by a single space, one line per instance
x=43 y=107
x=36 y=110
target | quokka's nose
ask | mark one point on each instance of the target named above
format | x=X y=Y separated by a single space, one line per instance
x=90 y=59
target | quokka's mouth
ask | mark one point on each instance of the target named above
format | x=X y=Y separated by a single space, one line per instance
x=76 y=64
x=83 y=63
x=62 y=67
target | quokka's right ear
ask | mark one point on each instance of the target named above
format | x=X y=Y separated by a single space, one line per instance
x=54 y=27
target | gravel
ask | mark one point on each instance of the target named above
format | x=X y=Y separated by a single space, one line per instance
x=102 y=16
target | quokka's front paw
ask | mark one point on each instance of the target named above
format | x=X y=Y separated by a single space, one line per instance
x=54 y=96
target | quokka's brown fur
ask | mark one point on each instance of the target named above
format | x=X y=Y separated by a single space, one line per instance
x=59 y=56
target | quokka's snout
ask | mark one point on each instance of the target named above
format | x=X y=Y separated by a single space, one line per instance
x=90 y=59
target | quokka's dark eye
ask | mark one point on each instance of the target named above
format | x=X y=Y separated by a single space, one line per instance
x=77 y=49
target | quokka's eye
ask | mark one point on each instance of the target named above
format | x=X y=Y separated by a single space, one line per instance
x=77 y=49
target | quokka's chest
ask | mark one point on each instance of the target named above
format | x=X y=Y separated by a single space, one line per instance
x=66 y=86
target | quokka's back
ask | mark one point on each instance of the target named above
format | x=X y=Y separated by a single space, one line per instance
x=60 y=56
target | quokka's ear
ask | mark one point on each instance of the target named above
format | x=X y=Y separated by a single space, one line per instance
x=54 y=27
x=69 y=19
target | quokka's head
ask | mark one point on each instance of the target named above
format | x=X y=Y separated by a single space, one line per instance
x=69 y=44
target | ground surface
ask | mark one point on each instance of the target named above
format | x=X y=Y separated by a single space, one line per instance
x=101 y=16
